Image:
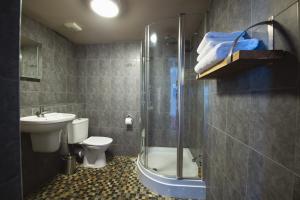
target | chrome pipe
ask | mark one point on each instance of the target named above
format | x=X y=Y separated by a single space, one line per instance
x=180 y=129
x=142 y=101
x=147 y=88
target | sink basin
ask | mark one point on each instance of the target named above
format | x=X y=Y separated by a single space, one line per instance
x=50 y=122
x=45 y=132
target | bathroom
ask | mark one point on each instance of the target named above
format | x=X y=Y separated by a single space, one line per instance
x=126 y=84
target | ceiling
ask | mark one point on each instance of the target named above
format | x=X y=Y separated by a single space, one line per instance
x=129 y=25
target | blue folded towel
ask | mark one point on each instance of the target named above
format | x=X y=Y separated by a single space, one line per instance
x=214 y=38
x=221 y=50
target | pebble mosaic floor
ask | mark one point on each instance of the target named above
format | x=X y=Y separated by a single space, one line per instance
x=117 y=180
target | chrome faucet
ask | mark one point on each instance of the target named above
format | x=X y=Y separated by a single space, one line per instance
x=41 y=112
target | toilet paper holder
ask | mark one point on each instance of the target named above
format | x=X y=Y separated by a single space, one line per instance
x=128 y=120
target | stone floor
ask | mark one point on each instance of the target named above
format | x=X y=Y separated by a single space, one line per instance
x=117 y=180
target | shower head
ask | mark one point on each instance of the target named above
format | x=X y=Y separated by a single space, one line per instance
x=170 y=40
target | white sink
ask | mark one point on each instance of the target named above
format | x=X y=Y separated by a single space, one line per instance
x=45 y=131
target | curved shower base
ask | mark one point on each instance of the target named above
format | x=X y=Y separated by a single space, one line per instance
x=172 y=187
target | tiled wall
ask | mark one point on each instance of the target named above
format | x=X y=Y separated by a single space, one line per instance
x=58 y=91
x=110 y=80
x=10 y=178
x=252 y=119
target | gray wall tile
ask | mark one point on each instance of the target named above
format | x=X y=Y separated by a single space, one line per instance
x=263 y=9
x=215 y=183
x=217 y=110
x=238 y=116
x=236 y=155
x=239 y=14
x=60 y=76
x=274 y=113
x=229 y=192
x=297 y=140
x=254 y=111
x=216 y=148
x=268 y=180
x=109 y=74
x=296 y=188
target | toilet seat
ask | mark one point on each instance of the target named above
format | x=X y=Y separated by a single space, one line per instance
x=97 y=141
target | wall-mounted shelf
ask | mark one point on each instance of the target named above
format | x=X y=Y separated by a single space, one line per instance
x=242 y=60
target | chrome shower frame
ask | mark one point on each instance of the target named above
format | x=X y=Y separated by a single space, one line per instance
x=177 y=186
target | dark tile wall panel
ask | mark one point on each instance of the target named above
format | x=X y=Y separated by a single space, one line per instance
x=110 y=81
x=10 y=166
x=252 y=118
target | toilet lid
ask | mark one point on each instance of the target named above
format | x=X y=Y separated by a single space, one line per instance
x=97 y=141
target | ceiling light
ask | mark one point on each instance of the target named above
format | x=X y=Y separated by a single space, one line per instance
x=105 y=8
x=153 y=38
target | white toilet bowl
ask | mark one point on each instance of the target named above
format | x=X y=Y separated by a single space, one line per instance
x=94 y=147
x=94 y=151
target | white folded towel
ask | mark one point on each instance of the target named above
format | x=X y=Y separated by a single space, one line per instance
x=208 y=46
x=220 y=51
x=214 y=38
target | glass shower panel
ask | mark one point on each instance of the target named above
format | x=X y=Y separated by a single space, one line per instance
x=193 y=104
x=162 y=117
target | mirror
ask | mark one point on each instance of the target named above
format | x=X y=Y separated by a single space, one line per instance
x=30 y=59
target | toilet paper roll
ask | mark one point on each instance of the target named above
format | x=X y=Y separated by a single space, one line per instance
x=128 y=121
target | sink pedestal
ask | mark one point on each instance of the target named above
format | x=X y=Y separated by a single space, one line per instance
x=46 y=142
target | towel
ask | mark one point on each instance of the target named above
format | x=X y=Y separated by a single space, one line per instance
x=208 y=46
x=215 y=38
x=220 y=51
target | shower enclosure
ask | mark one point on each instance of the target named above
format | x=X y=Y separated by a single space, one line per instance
x=170 y=160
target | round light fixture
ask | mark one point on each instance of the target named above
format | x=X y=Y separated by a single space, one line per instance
x=153 y=38
x=105 y=8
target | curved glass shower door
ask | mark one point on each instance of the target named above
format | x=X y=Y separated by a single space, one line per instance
x=170 y=144
x=161 y=82
x=171 y=110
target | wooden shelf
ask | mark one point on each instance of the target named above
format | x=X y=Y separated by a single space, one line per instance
x=243 y=60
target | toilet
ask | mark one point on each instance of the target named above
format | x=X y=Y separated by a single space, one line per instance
x=94 y=147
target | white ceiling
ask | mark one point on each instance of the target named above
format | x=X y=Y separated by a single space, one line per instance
x=128 y=26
